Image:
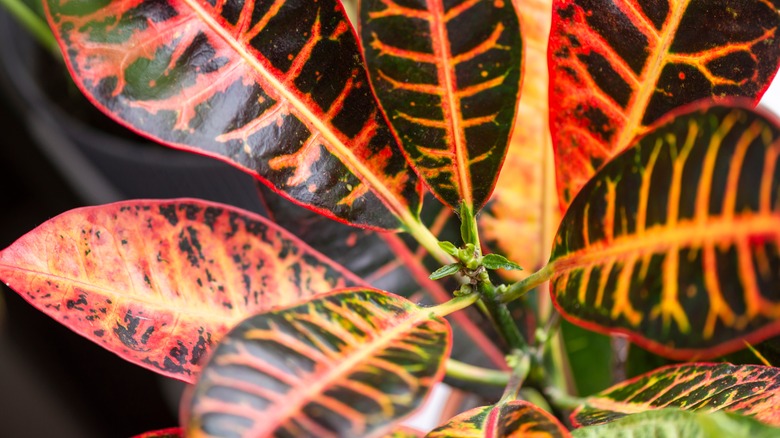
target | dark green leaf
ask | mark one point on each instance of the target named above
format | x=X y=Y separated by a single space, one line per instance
x=497 y=261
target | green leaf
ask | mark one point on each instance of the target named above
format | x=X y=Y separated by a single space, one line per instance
x=516 y=418
x=497 y=261
x=160 y=282
x=590 y=358
x=445 y=271
x=448 y=77
x=752 y=390
x=276 y=89
x=350 y=363
x=468 y=229
x=618 y=66
x=673 y=423
x=449 y=248
x=675 y=241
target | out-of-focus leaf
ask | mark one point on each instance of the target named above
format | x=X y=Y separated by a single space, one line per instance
x=276 y=88
x=448 y=76
x=160 y=282
x=674 y=423
x=617 y=66
x=590 y=358
x=516 y=418
x=676 y=241
x=521 y=217
x=752 y=390
x=171 y=432
x=405 y=432
x=350 y=363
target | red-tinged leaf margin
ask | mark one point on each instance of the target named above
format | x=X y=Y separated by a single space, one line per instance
x=751 y=390
x=159 y=282
x=608 y=280
x=171 y=432
x=348 y=363
x=618 y=66
x=516 y=418
x=448 y=77
x=278 y=90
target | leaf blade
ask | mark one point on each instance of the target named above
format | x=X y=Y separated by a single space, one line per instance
x=230 y=84
x=644 y=249
x=448 y=78
x=516 y=418
x=159 y=282
x=310 y=364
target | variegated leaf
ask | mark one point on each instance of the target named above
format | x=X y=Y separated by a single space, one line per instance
x=617 y=66
x=350 y=363
x=751 y=390
x=517 y=418
x=160 y=282
x=275 y=87
x=676 y=241
x=447 y=74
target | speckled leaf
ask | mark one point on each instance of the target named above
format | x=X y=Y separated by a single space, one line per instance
x=160 y=282
x=275 y=87
x=172 y=432
x=674 y=423
x=617 y=66
x=448 y=76
x=523 y=213
x=751 y=390
x=676 y=241
x=350 y=363
x=516 y=418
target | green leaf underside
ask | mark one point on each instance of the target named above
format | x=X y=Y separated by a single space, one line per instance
x=675 y=241
x=617 y=66
x=349 y=363
x=516 y=418
x=274 y=87
x=160 y=282
x=445 y=271
x=172 y=432
x=751 y=390
x=448 y=77
x=673 y=423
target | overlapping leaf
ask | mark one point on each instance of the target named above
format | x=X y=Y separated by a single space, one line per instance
x=516 y=418
x=345 y=364
x=619 y=65
x=751 y=390
x=275 y=87
x=447 y=75
x=677 y=423
x=172 y=432
x=160 y=282
x=523 y=213
x=676 y=242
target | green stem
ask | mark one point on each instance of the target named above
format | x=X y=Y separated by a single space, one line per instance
x=503 y=320
x=527 y=284
x=562 y=400
x=470 y=373
x=520 y=370
x=454 y=305
x=424 y=237
x=34 y=24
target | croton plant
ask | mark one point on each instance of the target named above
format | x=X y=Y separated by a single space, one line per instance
x=627 y=124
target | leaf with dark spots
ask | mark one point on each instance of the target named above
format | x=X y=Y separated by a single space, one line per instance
x=167 y=295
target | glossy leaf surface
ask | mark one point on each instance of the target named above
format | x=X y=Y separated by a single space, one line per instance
x=521 y=218
x=617 y=66
x=447 y=75
x=516 y=418
x=345 y=364
x=160 y=282
x=751 y=390
x=683 y=424
x=275 y=87
x=675 y=242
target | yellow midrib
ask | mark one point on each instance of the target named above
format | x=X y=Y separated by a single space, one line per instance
x=339 y=148
x=651 y=74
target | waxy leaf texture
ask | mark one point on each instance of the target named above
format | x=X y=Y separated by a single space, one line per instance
x=617 y=66
x=676 y=241
x=517 y=418
x=448 y=76
x=275 y=87
x=751 y=390
x=350 y=363
x=160 y=282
